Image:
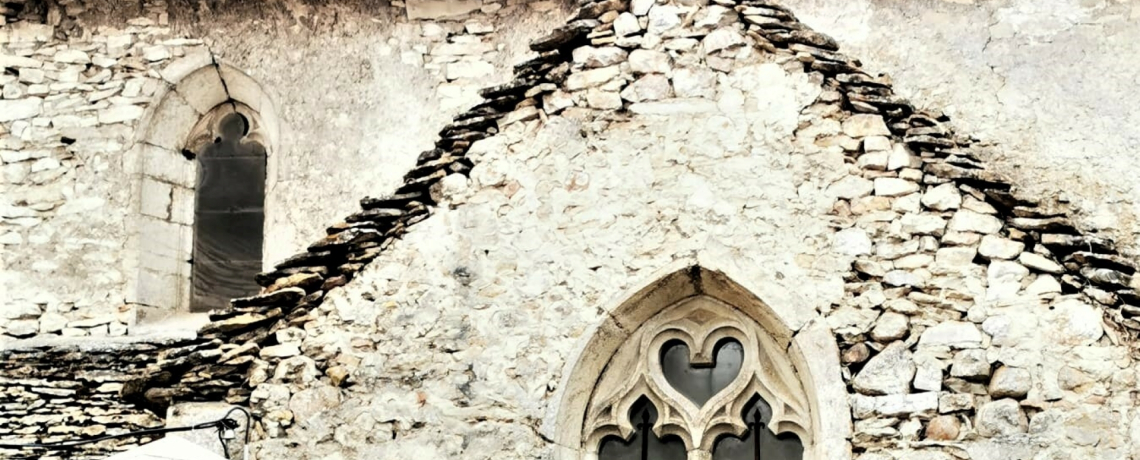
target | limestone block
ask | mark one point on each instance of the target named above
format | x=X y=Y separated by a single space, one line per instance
x=171 y=122
x=1040 y=263
x=12 y=61
x=943 y=428
x=30 y=75
x=676 y=106
x=640 y=7
x=901 y=157
x=155 y=198
x=852 y=242
x=591 y=78
x=591 y=57
x=1004 y=279
x=469 y=70
x=1010 y=382
x=954 y=334
x=890 y=326
x=893 y=186
x=440 y=9
x=626 y=24
x=157 y=290
x=1001 y=417
x=970 y=365
x=20 y=109
x=71 y=57
x=605 y=100
x=194 y=59
x=863 y=124
x=970 y=221
x=694 y=82
x=663 y=19
x=156 y=53
x=720 y=39
x=872 y=161
x=650 y=87
x=182 y=205
x=923 y=224
x=167 y=165
x=1078 y=323
x=120 y=114
x=851 y=187
x=889 y=372
x=996 y=247
x=921 y=405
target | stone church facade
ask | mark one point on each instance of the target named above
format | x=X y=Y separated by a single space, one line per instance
x=586 y=229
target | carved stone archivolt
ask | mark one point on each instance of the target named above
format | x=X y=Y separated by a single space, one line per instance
x=703 y=325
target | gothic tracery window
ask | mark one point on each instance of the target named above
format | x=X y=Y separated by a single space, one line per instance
x=229 y=210
x=700 y=380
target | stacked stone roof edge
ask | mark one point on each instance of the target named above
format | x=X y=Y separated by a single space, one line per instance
x=299 y=284
x=215 y=366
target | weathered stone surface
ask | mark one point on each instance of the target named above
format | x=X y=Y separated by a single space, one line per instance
x=970 y=365
x=862 y=125
x=893 y=186
x=943 y=428
x=996 y=247
x=970 y=221
x=1040 y=263
x=20 y=109
x=954 y=334
x=890 y=326
x=901 y=405
x=591 y=57
x=1010 y=382
x=889 y=372
x=1000 y=418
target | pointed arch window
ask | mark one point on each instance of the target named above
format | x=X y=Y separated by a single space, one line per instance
x=229 y=209
x=699 y=380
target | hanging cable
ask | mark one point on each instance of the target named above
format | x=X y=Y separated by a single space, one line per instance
x=225 y=425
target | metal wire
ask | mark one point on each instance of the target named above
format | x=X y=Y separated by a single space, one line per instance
x=222 y=424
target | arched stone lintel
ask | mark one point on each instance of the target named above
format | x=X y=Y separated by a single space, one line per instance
x=810 y=343
x=191 y=94
x=196 y=85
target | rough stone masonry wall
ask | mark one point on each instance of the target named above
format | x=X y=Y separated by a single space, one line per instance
x=75 y=93
x=433 y=393
x=63 y=389
x=969 y=323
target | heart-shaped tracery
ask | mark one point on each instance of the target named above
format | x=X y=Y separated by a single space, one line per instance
x=700 y=382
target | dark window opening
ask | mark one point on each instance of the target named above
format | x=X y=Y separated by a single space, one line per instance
x=758 y=442
x=701 y=383
x=229 y=217
x=644 y=444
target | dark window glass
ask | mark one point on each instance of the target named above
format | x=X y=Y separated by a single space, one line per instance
x=758 y=443
x=229 y=217
x=643 y=445
x=700 y=384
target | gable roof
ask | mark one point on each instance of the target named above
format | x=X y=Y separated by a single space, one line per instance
x=299 y=284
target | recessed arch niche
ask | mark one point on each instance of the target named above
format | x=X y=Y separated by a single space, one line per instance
x=164 y=164
x=796 y=372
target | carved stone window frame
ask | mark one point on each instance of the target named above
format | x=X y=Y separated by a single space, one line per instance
x=795 y=368
x=199 y=91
